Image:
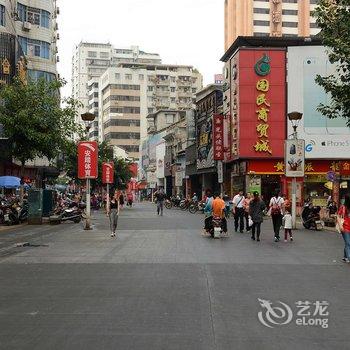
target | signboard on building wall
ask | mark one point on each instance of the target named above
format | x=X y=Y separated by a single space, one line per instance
x=87 y=160
x=262 y=103
x=324 y=138
x=205 y=155
x=160 y=154
x=295 y=158
x=218 y=137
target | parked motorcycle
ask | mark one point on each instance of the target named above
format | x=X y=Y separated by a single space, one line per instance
x=15 y=214
x=174 y=201
x=70 y=213
x=311 y=217
x=196 y=206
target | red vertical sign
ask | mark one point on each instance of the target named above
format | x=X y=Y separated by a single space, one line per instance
x=87 y=160
x=218 y=136
x=108 y=173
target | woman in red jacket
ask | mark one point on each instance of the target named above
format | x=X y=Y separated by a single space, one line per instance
x=344 y=212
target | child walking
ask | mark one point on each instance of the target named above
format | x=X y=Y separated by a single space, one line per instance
x=287 y=219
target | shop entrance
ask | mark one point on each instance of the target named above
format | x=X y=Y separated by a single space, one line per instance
x=269 y=185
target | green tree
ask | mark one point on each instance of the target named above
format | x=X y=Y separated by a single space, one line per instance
x=333 y=17
x=34 y=122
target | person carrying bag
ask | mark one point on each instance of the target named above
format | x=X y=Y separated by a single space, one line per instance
x=343 y=227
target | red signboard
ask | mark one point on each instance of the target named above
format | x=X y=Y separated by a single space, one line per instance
x=218 y=137
x=108 y=173
x=316 y=167
x=87 y=160
x=344 y=168
x=262 y=103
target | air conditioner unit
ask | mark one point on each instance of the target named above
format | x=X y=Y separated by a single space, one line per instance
x=27 y=26
x=57 y=59
x=58 y=36
x=57 y=10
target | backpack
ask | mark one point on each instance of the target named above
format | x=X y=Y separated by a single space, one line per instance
x=276 y=209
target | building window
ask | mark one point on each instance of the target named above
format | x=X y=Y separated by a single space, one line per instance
x=92 y=54
x=290 y=24
x=290 y=1
x=117 y=76
x=150 y=88
x=261 y=34
x=172 y=99
x=313 y=25
x=172 y=89
x=169 y=118
x=36 y=75
x=290 y=12
x=260 y=10
x=313 y=2
x=194 y=90
x=2 y=16
x=141 y=77
x=35 y=48
x=261 y=23
x=104 y=55
x=150 y=110
x=128 y=76
x=34 y=15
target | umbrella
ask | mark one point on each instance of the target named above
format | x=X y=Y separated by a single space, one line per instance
x=10 y=181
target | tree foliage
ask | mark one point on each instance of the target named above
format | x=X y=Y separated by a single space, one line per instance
x=333 y=17
x=34 y=122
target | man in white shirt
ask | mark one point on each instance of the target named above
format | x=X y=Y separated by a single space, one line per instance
x=238 y=210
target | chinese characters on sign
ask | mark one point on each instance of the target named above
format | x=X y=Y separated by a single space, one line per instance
x=87 y=160
x=107 y=173
x=263 y=68
x=218 y=136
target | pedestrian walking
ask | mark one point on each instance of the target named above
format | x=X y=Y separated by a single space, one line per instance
x=160 y=198
x=288 y=225
x=256 y=212
x=208 y=211
x=121 y=199
x=113 y=213
x=246 y=202
x=343 y=223
x=226 y=199
x=238 y=210
x=276 y=209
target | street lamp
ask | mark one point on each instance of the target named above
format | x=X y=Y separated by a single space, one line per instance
x=88 y=118
x=294 y=118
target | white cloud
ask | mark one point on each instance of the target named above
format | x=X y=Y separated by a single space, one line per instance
x=181 y=31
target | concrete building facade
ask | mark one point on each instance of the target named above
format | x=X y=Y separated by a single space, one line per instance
x=89 y=62
x=132 y=91
x=34 y=24
x=287 y=18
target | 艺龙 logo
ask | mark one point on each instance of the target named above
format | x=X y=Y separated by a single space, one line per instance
x=272 y=316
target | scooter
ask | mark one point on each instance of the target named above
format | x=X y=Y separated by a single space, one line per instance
x=66 y=214
x=311 y=217
x=216 y=229
x=15 y=214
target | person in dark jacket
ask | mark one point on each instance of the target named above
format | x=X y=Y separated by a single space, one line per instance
x=256 y=212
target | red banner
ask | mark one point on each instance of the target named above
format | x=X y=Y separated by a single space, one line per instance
x=108 y=173
x=218 y=137
x=87 y=160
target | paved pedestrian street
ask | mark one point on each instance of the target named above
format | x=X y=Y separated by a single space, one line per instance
x=161 y=285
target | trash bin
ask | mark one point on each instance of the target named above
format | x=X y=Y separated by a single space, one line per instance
x=35 y=202
x=48 y=202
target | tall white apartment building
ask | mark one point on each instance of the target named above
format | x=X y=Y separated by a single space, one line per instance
x=269 y=18
x=33 y=24
x=89 y=62
x=130 y=92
